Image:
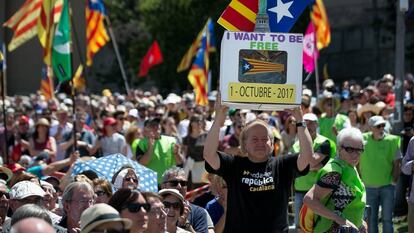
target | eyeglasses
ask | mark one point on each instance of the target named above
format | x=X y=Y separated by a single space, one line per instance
x=135 y=207
x=6 y=194
x=353 y=150
x=176 y=182
x=100 y=193
x=84 y=201
x=174 y=205
x=132 y=179
x=380 y=126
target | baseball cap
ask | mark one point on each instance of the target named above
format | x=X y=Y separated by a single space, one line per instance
x=109 y=121
x=25 y=189
x=133 y=112
x=376 y=120
x=310 y=117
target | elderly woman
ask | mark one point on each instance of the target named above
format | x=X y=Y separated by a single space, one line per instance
x=258 y=184
x=173 y=203
x=125 y=177
x=338 y=197
x=131 y=204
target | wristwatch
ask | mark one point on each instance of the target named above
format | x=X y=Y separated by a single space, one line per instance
x=301 y=124
x=186 y=226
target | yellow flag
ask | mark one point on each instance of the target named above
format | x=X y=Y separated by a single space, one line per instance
x=79 y=81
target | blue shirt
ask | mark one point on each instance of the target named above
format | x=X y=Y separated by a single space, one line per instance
x=215 y=210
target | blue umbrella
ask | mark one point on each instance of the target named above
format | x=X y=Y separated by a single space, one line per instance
x=105 y=167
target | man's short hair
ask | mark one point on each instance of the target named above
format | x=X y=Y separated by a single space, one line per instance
x=173 y=171
x=30 y=211
x=75 y=187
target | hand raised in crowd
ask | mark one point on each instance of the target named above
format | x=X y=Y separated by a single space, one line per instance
x=74 y=156
x=221 y=110
x=296 y=112
x=176 y=149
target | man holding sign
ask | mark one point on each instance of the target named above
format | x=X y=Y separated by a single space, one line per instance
x=259 y=184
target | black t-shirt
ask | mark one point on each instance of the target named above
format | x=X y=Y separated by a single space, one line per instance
x=258 y=193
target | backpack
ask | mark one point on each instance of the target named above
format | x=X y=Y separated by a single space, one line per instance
x=307 y=217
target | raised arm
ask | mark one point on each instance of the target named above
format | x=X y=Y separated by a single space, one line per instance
x=306 y=154
x=212 y=141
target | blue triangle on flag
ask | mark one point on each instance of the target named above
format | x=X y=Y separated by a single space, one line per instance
x=246 y=66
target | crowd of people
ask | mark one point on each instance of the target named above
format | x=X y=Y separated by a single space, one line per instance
x=218 y=169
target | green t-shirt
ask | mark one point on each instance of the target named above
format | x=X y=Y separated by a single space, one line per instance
x=347 y=198
x=376 y=162
x=304 y=183
x=326 y=124
x=162 y=157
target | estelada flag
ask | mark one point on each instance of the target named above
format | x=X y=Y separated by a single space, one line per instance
x=240 y=15
x=152 y=58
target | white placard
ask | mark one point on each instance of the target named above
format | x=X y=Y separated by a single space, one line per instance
x=261 y=71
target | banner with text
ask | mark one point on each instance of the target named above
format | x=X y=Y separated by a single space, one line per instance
x=261 y=71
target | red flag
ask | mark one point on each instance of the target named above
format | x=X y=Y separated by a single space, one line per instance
x=152 y=58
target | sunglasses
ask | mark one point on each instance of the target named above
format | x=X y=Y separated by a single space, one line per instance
x=176 y=182
x=131 y=179
x=380 y=126
x=135 y=207
x=353 y=150
x=6 y=194
x=174 y=205
x=100 y=193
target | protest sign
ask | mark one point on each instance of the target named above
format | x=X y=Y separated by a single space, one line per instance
x=261 y=71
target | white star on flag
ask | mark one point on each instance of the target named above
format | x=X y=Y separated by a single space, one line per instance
x=246 y=67
x=282 y=10
x=151 y=59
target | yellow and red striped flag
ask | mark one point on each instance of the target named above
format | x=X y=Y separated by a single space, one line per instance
x=23 y=23
x=240 y=15
x=96 y=34
x=192 y=51
x=50 y=13
x=46 y=84
x=322 y=28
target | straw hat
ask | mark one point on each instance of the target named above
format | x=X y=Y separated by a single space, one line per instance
x=368 y=107
x=7 y=172
x=43 y=121
x=99 y=214
x=329 y=96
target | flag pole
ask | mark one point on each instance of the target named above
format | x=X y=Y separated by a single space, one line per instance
x=118 y=56
x=3 y=96
x=72 y=88
x=315 y=60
